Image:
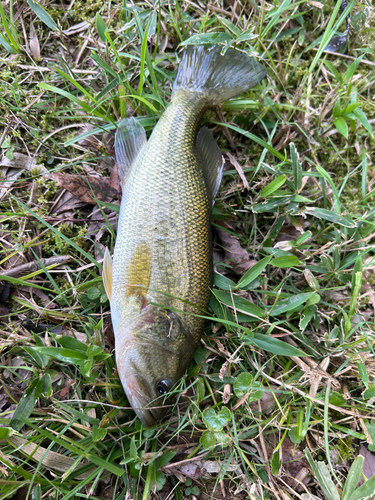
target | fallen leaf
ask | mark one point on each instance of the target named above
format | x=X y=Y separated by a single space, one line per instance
x=66 y=204
x=48 y=458
x=87 y=188
x=266 y=402
x=369 y=463
x=318 y=5
x=114 y=180
x=34 y=43
x=240 y=172
x=193 y=469
x=12 y=169
x=238 y=257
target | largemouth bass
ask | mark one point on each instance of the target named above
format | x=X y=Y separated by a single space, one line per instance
x=159 y=282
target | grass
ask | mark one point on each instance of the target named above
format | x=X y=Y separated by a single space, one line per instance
x=278 y=401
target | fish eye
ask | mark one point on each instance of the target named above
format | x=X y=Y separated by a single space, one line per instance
x=163 y=386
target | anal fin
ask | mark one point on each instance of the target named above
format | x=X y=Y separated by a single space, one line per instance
x=129 y=139
x=212 y=161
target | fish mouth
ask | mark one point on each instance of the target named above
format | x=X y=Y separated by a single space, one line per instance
x=138 y=392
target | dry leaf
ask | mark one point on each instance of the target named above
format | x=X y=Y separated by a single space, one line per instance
x=238 y=167
x=87 y=188
x=114 y=180
x=65 y=204
x=237 y=256
x=266 y=402
x=369 y=464
x=12 y=169
x=193 y=469
x=50 y=459
x=34 y=42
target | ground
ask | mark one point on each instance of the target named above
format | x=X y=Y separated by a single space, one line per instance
x=278 y=402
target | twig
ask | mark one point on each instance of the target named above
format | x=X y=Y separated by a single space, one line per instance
x=35 y=265
x=364 y=61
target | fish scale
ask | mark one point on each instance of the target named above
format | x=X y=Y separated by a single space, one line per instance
x=160 y=279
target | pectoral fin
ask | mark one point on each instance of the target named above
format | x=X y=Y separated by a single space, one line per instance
x=107 y=274
x=139 y=273
x=129 y=139
x=212 y=161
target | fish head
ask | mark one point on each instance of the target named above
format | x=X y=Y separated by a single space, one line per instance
x=152 y=354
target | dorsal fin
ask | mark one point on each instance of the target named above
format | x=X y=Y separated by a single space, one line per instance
x=129 y=139
x=139 y=273
x=107 y=274
x=212 y=161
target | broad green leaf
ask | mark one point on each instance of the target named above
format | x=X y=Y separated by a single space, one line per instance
x=112 y=206
x=341 y=126
x=7 y=46
x=62 y=354
x=326 y=483
x=290 y=303
x=41 y=360
x=239 y=303
x=253 y=272
x=208 y=39
x=337 y=399
x=256 y=139
x=363 y=373
x=101 y=27
x=26 y=405
x=353 y=477
x=43 y=15
x=272 y=205
x=311 y=280
x=321 y=474
x=285 y=261
x=297 y=167
x=350 y=107
x=358 y=268
x=104 y=65
x=66 y=94
x=273 y=186
x=71 y=343
x=93 y=293
x=366 y=490
x=369 y=392
x=160 y=480
x=275 y=462
x=307 y=235
x=349 y=73
x=164 y=459
x=223 y=282
x=288 y=32
x=215 y=421
x=207 y=439
x=133 y=449
x=244 y=384
x=322 y=213
x=273 y=345
x=363 y=119
x=98 y=433
x=333 y=70
x=6 y=432
x=222 y=438
x=306 y=317
x=336 y=108
x=231 y=27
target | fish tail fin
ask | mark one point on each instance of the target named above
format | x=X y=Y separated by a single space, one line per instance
x=218 y=77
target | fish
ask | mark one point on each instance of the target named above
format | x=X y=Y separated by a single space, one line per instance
x=158 y=282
